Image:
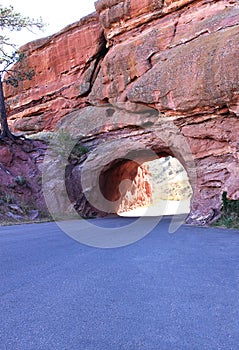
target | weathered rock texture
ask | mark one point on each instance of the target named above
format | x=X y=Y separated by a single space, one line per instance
x=161 y=65
x=123 y=187
x=64 y=65
x=21 y=195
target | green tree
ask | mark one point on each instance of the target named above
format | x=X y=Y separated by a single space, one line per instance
x=10 y=20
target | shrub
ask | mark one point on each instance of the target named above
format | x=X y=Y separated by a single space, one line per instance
x=230 y=213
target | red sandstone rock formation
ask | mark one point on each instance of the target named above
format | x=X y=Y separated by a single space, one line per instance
x=123 y=187
x=64 y=66
x=178 y=57
x=21 y=196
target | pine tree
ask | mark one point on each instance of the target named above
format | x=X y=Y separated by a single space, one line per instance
x=10 y=20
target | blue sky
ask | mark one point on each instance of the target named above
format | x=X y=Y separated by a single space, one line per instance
x=57 y=14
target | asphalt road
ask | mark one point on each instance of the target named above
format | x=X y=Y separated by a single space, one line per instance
x=165 y=292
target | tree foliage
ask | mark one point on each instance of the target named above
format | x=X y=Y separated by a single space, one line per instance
x=11 y=20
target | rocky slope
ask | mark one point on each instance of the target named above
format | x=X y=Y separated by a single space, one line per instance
x=143 y=75
x=21 y=197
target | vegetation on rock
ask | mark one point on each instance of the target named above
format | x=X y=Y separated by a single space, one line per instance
x=230 y=213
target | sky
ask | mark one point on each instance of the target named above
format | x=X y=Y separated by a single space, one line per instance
x=56 y=14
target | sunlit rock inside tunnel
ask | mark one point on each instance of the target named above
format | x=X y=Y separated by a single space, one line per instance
x=168 y=191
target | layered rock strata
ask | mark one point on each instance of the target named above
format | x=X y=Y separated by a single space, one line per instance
x=146 y=69
x=65 y=66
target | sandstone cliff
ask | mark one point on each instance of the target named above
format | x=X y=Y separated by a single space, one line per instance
x=64 y=66
x=162 y=74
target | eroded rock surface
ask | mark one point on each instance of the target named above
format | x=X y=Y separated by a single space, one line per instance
x=162 y=74
x=21 y=197
x=64 y=66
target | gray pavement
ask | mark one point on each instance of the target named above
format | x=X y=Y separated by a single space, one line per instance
x=165 y=292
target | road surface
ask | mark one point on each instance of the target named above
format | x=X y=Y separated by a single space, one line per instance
x=165 y=292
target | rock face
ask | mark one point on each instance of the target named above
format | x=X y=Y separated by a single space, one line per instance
x=160 y=76
x=64 y=66
x=21 y=196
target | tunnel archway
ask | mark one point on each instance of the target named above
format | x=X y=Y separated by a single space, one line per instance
x=113 y=174
x=110 y=137
x=148 y=181
x=113 y=177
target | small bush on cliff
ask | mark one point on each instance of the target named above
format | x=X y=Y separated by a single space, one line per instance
x=79 y=150
x=230 y=213
x=10 y=20
x=66 y=146
x=62 y=144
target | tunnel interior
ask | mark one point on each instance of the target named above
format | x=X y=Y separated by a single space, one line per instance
x=142 y=182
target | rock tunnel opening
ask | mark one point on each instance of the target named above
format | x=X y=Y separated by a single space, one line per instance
x=147 y=184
